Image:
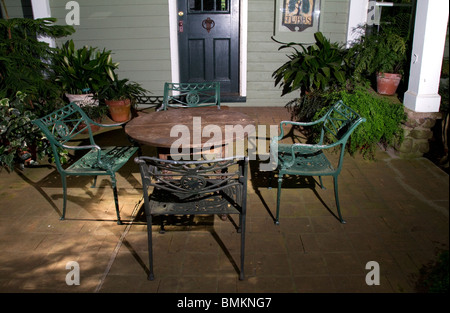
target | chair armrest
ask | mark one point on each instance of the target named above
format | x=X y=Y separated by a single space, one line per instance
x=96 y=147
x=297 y=124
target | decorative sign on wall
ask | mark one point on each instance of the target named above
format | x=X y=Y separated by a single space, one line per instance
x=298 y=14
x=296 y=20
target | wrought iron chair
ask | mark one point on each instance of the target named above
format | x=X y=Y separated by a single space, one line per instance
x=194 y=187
x=182 y=95
x=62 y=126
x=305 y=159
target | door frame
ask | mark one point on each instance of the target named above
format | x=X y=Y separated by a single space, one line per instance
x=174 y=55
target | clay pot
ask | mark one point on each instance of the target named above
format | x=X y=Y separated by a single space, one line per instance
x=94 y=128
x=387 y=83
x=120 y=110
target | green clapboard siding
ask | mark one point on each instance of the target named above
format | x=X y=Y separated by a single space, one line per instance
x=263 y=54
x=136 y=31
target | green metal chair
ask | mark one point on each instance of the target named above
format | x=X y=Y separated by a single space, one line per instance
x=182 y=95
x=62 y=126
x=305 y=159
x=203 y=187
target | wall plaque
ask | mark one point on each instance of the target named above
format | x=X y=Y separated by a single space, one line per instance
x=296 y=20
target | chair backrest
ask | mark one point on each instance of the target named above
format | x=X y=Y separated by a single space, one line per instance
x=339 y=123
x=182 y=95
x=186 y=179
x=63 y=125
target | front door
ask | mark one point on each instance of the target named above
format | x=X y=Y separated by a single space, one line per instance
x=208 y=41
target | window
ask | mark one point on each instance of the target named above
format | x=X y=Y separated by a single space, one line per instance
x=203 y=6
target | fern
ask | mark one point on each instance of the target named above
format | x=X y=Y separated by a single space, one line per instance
x=383 y=119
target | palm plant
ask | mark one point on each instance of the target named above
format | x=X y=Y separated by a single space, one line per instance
x=24 y=59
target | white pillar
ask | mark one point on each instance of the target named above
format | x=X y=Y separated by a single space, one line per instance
x=426 y=58
x=357 y=16
x=41 y=9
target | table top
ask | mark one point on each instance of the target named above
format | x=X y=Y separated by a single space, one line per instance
x=203 y=123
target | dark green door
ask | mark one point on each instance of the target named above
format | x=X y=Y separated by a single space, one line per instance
x=208 y=40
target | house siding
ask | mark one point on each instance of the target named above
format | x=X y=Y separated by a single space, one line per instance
x=263 y=55
x=138 y=35
x=17 y=9
x=136 y=31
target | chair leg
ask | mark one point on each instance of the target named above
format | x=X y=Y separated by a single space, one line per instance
x=321 y=183
x=239 y=230
x=280 y=180
x=95 y=182
x=116 y=199
x=162 y=230
x=242 y=219
x=64 y=185
x=151 y=276
x=269 y=181
x=336 y=195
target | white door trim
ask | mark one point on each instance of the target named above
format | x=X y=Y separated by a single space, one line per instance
x=173 y=34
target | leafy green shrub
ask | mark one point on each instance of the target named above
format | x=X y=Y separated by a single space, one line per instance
x=377 y=52
x=24 y=59
x=86 y=68
x=434 y=276
x=19 y=138
x=304 y=108
x=317 y=67
x=383 y=119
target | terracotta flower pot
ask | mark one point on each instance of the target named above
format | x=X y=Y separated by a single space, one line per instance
x=387 y=83
x=120 y=110
x=94 y=128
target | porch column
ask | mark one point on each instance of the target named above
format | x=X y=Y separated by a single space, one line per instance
x=426 y=58
x=41 y=9
x=357 y=16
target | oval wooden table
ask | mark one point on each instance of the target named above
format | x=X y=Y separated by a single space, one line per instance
x=203 y=124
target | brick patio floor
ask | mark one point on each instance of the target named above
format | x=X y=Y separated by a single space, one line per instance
x=396 y=212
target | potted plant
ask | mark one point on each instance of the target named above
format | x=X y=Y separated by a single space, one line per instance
x=120 y=95
x=383 y=54
x=82 y=72
x=314 y=71
x=96 y=113
x=317 y=67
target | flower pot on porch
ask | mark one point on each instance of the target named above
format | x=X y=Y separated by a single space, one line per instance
x=94 y=127
x=120 y=110
x=387 y=83
x=82 y=99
